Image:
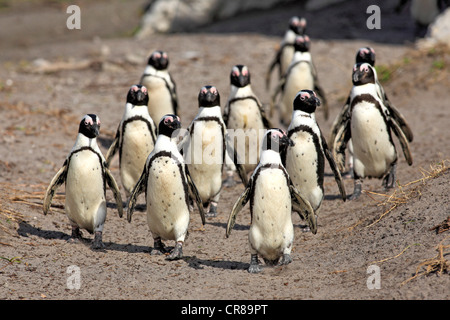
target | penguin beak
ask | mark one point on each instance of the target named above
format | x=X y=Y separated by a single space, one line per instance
x=355 y=77
x=140 y=95
x=175 y=124
x=243 y=80
x=286 y=141
x=96 y=129
x=317 y=102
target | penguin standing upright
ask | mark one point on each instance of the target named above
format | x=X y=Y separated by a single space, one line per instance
x=85 y=175
x=301 y=74
x=166 y=183
x=206 y=148
x=244 y=114
x=163 y=97
x=305 y=160
x=284 y=54
x=367 y=55
x=135 y=137
x=369 y=125
x=271 y=194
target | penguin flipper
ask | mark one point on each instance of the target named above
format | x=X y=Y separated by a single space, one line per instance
x=343 y=116
x=278 y=89
x=305 y=206
x=235 y=157
x=194 y=190
x=334 y=168
x=57 y=181
x=113 y=148
x=275 y=62
x=340 y=144
x=239 y=204
x=400 y=119
x=115 y=189
x=402 y=139
x=141 y=186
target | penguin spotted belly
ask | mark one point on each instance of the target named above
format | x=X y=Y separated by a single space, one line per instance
x=136 y=146
x=302 y=165
x=271 y=231
x=85 y=194
x=373 y=151
x=167 y=211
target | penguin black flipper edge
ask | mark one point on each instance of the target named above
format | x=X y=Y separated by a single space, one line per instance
x=57 y=181
x=115 y=189
x=137 y=190
x=113 y=147
x=402 y=139
x=239 y=204
x=305 y=206
x=235 y=157
x=194 y=190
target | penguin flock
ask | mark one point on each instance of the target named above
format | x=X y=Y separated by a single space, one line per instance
x=282 y=168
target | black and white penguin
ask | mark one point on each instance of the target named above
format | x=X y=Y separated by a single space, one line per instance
x=85 y=175
x=207 y=148
x=135 y=137
x=367 y=55
x=163 y=97
x=245 y=115
x=305 y=160
x=271 y=194
x=369 y=124
x=166 y=183
x=285 y=52
x=301 y=74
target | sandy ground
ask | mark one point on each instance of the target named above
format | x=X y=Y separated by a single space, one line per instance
x=40 y=113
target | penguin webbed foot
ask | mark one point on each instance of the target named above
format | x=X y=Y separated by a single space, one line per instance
x=356 y=191
x=177 y=252
x=389 y=179
x=97 y=243
x=285 y=259
x=76 y=235
x=212 y=212
x=255 y=266
x=158 y=248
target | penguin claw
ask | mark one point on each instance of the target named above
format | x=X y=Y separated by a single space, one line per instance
x=177 y=252
x=212 y=213
x=286 y=259
x=98 y=243
x=254 y=268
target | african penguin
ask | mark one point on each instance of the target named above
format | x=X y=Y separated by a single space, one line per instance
x=367 y=55
x=305 y=160
x=369 y=124
x=301 y=74
x=85 y=175
x=245 y=115
x=271 y=194
x=283 y=57
x=135 y=137
x=166 y=183
x=206 y=148
x=163 y=97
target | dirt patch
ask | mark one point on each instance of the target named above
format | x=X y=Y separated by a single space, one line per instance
x=40 y=112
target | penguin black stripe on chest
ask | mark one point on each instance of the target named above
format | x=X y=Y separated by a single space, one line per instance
x=320 y=157
x=136 y=118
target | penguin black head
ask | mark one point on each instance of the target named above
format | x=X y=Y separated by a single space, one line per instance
x=208 y=97
x=137 y=95
x=168 y=124
x=90 y=126
x=158 y=60
x=366 y=54
x=363 y=73
x=306 y=100
x=276 y=139
x=302 y=43
x=298 y=25
x=240 y=76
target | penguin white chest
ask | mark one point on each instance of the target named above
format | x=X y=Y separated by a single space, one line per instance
x=137 y=144
x=159 y=98
x=167 y=209
x=373 y=151
x=304 y=165
x=286 y=58
x=248 y=127
x=85 y=194
x=206 y=158
x=271 y=231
